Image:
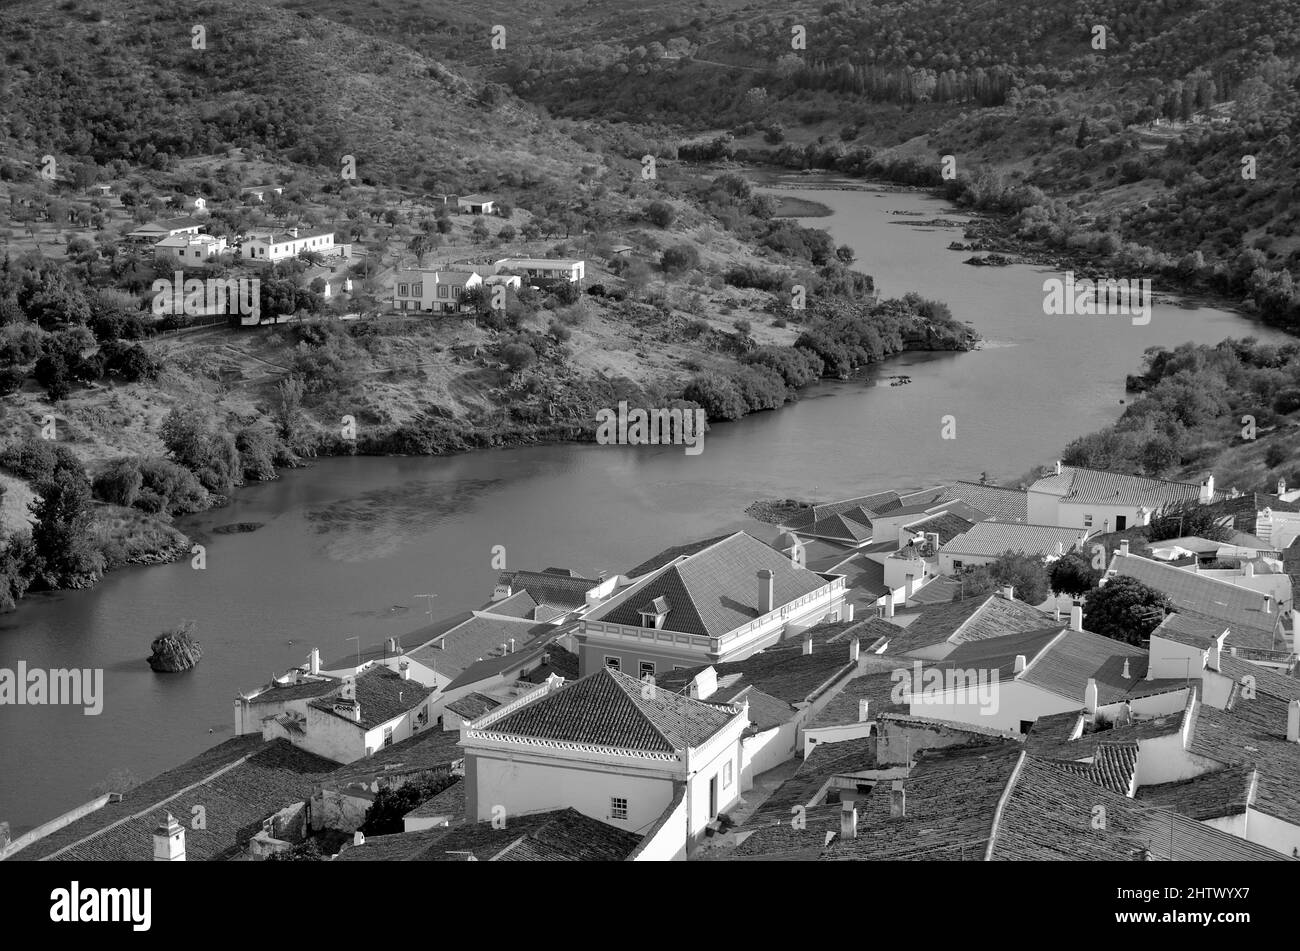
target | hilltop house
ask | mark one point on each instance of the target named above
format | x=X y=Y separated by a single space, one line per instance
x=1101 y=501
x=261 y=247
x=165 y=228
x=627 y=753
x=257 y=193
x=476 y=204
x=723 y=602
x=190 y=248
x=424 y=291
x=571 y=270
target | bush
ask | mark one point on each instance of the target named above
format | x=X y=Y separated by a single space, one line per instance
x=37 y=460
x=119 y=482
x=680 y=257
x=720 y=398
x=660 y=213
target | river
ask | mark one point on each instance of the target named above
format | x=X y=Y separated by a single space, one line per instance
x=346 y=545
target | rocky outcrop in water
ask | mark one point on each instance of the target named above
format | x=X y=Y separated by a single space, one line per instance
x=175 y=650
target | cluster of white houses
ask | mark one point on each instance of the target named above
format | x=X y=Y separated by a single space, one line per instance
x=433 y=291
x=625 y=717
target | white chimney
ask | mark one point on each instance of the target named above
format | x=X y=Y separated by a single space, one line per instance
x=1248 y=569
x=1060 y=549
x=1076 y=617
x=1207 y=491
x=1058 y=466
x=765 y=582
x=1281 y=486
x=704 y=684
x=907 y=588
x=1123 y=547
x=404 y=668
x=1056 y=611
x=855 y=649
x=807 y=644
x=1268 y=604
x=392 y=646
x=1293 y=721
x=864 y=708
x=512 y=645
x=313 y=661
x=1125 y=672
x=848 y=612
x=849 y=821
x=897 y=800
x=169 y=841
x=889 y=604
x=1021 y=663
x=358 y=838
x=1008 y=591
x=1212 y=656
x=1090 y=697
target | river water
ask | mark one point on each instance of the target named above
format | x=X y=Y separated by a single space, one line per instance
x=346 y=546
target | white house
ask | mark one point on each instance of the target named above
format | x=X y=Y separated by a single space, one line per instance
x=1101 y=501
x=426 y=292
x=723 y=602
x=476 y=204
x=985 y=541
x=627 y=753
x=572 y=270
x=166 y=228
x=257 y=193
x=268 y=247
x=190 y=248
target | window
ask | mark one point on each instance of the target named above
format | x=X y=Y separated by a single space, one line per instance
x=614 y=662
x=956 y=565
x=1087 y=521
x=444 y=290
x=403 y=290
x=388 y=736
x=417 y=290
x=617 y=808
x=726 y=774
x=647 y=668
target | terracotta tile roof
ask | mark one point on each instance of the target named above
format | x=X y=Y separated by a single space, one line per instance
x=477 y=638
x=305 y=690
x=1070 y=661
x=1049 y=815
x=940 y=590
x=947 y=525
x=714 y=590
x=993 y=538
x=1243 y=511
x=1049 y=738
x=1192 y=593
x=672 y=554
x=473 y=705
x=1008 y=505
x=408 y=642
x=551 y=588
x=1114 y=766
x=520 y=605
x=529 y=652
x=1190 y=629
x=880 y=504
x=430 y=750
x=1098 y=486
x=952 y=795
x=809 y=779
x=383 y=695
x=973 y=619
x=238 y=783
x=1223 y=792
x=449 y=802
x=561 y=834
x=851 y=526
x=607 y=708
x=789 y=675
x=1268 y=682
x=561 y=662
x=1253 y=733
x=877 y=689
x=864 y=578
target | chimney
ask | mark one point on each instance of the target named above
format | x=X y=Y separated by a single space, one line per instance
x=546 y=659
x=1248 y=569
x=1207 y=491
x=897 y=800
x=807 y=644
x=1281 y=486
x=848 y=612
x=1058 y=466
x=1060 y=549
x=503 y=649
x=1090 y=697
x=512 y=645
x=765 y=577
x=1212 y=656
x=358 y=838
x=1293 y=721
x=855 y=649
x=864 y=710
x=1076 y=617
x=1123 y=547
x=907 y=589
x=849 y=821
x=1008 y=592
x=1056 y=612
x=391 y=646
x=404 y=668
x=1268 y=604
x=313 y=661
x=169 y=841
x=1125 y=672
x=889 y=604
x=1021 y=663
